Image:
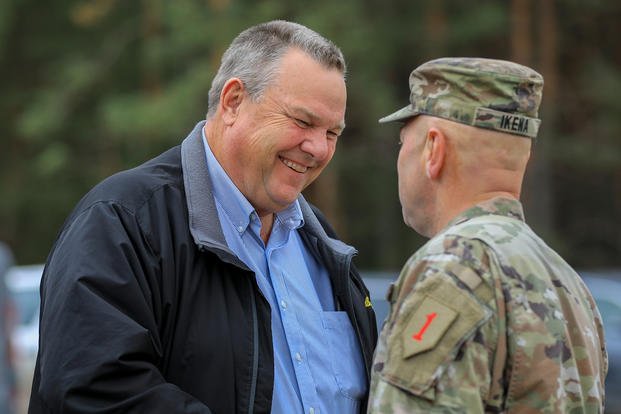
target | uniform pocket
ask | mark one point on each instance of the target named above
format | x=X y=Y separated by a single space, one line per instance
x=432 y=324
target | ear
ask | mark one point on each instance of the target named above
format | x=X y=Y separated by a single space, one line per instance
x=231 y=98
x=435 y=152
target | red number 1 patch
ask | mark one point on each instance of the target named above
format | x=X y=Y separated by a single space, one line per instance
x=419 y=336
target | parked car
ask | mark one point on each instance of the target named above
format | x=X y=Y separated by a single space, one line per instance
x=606 y=289
x=23 y=283
x=8 y=386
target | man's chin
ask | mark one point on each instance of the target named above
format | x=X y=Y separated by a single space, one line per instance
x=407 y=218
x=409 y=223
x=419 y=226
x=282 y=203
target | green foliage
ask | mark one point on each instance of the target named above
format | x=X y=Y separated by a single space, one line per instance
x=93 y=87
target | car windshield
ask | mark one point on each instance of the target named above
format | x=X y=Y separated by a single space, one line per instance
x=23 y=284
x=611 y=314
x=607 y=294
x=27 y=303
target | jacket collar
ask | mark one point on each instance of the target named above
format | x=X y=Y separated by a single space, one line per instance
x=314 y=228
x=203 y=218
x=202 y=213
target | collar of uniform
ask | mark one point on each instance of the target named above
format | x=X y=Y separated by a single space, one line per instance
x=500 y=206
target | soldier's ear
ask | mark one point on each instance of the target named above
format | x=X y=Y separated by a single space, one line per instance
x=435 y=152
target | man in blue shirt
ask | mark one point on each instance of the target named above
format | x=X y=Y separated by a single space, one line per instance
x=202 y=281
x=263 y=149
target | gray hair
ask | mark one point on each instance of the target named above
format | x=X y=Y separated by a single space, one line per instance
x=255 y=53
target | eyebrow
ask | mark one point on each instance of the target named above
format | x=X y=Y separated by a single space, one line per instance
x=314 y=118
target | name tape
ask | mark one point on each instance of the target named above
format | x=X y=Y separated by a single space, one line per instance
x=504 y=122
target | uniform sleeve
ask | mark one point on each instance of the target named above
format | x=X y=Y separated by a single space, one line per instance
x=99 y=341
x=436 y=351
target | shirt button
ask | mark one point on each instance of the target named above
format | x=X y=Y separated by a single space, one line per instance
x=240 y=229
x=283 y=304
x=311 y=410
x=298 y=357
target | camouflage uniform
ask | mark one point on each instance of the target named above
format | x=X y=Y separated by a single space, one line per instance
x=487 y=318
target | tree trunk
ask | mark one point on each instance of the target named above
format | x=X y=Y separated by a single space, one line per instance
x=436 y=27
x=537 y=190
x=521 y=32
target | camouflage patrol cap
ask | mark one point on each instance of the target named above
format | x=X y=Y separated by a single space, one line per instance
x=485 y=93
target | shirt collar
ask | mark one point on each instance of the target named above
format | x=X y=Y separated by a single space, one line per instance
x=235 y=205
x=291 y=217
x=500 y=206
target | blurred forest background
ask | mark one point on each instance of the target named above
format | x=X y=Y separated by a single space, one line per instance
x=90 y=87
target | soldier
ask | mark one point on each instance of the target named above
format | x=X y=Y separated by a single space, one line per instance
x=485 y=317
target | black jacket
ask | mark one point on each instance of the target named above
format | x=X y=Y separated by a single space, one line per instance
x=145 y=309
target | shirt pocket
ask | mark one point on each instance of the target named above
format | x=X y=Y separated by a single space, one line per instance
x=431 y=326
x=345 y=355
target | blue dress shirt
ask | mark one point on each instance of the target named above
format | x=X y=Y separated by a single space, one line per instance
x=318 y=365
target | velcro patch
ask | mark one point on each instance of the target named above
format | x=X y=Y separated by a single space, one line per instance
x=429 y=328
x=426 y=326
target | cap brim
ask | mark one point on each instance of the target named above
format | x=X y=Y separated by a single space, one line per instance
x=401 y=115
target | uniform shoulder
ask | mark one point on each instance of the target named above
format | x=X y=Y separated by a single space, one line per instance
x=463 y=262
x=455 y=247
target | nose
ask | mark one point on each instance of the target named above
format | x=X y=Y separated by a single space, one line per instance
x=318 y=145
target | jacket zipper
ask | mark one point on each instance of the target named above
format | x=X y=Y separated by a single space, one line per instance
x=355 y=323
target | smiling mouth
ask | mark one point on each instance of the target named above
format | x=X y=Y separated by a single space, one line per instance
x=294 y=166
